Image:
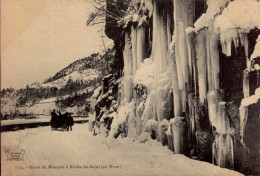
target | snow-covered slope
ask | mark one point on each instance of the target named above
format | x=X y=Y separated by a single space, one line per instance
x=79 y=75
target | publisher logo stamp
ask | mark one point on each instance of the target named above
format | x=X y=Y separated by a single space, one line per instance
x=15 y=155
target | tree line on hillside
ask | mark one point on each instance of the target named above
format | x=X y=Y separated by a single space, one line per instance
x=33 y=95
x=7 y=92
x=78 y=100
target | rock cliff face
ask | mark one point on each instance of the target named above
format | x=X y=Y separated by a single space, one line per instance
x=114 y=31
x=190 y=77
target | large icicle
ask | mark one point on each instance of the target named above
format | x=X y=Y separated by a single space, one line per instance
x=191 y=113
x=160 y=43
x=178 y=132
x=177 y=18
x=140 y=45
x=134 y=48
x=156 y=38
x=183 y=18
x=175 y=84
x=248 y=63
x=214 y=98
x=128 y=88
x=163 y=46
x=183 y=52
x=155 y=26
x=223 y=146
x=246 y=83
x=209 y=64
x=222 y=122
x=226 y=38
x=128 y=69
x=243 y=112
x=128 y=63
x=223 y=151
x=139 y=113
x=202 y=64
x=154 y=105
x=191 y=55
x=214 y=54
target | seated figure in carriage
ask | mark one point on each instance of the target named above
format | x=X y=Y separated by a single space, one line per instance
x=61 y=122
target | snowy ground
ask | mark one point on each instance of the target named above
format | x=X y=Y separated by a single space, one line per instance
x=79 y=148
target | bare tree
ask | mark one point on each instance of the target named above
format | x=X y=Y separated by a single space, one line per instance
x=99 y=15
x=99 y=18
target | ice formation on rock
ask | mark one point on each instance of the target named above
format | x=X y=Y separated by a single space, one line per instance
x=243 y=110
x=179 y=94
x=223 y=151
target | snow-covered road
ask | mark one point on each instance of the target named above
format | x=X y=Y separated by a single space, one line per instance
x=27 y=121
x=79 y=150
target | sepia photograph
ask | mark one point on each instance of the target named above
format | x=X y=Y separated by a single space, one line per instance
x=130 y=87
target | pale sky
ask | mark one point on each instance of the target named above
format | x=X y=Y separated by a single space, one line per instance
x=40 y=37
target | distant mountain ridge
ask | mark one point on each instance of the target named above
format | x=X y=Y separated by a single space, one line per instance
x=70 y=84
x=94 y=61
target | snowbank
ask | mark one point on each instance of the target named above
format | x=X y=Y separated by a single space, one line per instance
x=125 y=114
x=214 y=8
x=239 y=14
x=80 y=148
x=152 y=125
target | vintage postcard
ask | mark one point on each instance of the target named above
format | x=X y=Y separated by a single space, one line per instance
x=130 y=87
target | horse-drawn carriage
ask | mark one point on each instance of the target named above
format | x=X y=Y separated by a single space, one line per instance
x=61 y=122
